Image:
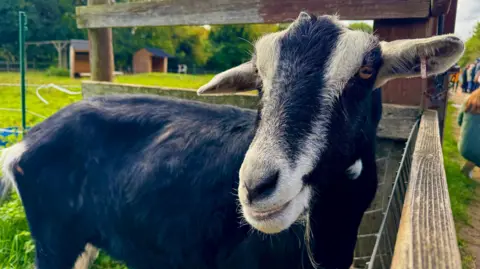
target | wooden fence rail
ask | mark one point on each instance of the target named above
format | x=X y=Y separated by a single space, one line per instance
x=194 y=12
x=427 y=237
x=396 y=123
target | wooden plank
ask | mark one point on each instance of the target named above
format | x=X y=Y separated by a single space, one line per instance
x=396 y=123
x=101 y=49
x=426 y=237
x=448 y=28
x=195 y=12
x=93 y=88
x=439 y=7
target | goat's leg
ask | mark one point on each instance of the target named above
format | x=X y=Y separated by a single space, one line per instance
x=57 y=249
x=87 y=258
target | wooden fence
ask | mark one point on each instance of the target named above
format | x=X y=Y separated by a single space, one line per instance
x=15 y=67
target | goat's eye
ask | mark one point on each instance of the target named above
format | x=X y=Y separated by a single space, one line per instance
x=365 y=72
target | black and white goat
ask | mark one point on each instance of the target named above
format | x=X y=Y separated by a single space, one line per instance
x=150 y=180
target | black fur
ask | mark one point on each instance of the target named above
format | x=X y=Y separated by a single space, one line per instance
x=152 y=181
x=97 y=172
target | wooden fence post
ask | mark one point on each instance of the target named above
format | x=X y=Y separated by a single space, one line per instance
x=101 y=50
x=448 y=28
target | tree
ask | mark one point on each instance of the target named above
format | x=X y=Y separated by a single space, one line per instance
x=233 y=44
x=472 y=47
x=188 y=44
x=192 y=46
x=46 y=20
x=6 y=55
x=9 y=26
x=219 y=48
x=361 y=26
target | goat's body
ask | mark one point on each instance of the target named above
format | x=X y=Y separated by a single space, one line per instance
x=152 y=181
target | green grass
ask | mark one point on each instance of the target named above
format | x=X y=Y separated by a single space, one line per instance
x=167 y=80
x=460 y=187
x=10 y=96
x=16 y=246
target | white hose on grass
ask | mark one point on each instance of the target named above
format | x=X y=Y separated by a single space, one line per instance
x=51 y=85
x=40 y=86
x=11 y=131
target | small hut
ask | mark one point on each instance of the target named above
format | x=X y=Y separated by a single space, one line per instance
x=79 y=57
x=149 y=60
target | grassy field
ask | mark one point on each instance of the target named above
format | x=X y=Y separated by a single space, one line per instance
x=10 y=96
x=460 y=187
x=16 y=246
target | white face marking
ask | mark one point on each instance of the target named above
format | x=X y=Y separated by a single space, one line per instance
x=355 y=170
x=266 y=153
x=345 y=61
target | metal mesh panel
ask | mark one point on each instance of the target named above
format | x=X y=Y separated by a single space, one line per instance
x=378 y=232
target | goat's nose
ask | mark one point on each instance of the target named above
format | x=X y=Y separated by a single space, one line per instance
x=257 y=190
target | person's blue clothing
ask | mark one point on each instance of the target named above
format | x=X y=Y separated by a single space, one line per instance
x=469 y=141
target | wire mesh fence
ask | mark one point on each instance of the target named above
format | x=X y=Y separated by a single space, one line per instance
x=15 y=66
x=377 y=235
x=385 y=244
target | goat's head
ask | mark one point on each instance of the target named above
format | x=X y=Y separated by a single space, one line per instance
x=314 y=69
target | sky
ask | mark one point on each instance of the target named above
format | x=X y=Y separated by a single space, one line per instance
x=468 y=14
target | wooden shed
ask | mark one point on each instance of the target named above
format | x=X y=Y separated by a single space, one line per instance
x=149 y=60
x=79 y=57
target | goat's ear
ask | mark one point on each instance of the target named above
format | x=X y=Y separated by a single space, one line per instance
x=402 y=58
x=238 y=79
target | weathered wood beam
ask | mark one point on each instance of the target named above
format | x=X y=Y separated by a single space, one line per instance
x=101 y=49
x=396 y=123
x=426 y=236
x=448 y=28
x=196 y=12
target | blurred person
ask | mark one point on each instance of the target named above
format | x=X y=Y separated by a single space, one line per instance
x=455 y=77
x=464 y=81
x=469 y=140
x=470 y=70
x=476 y=77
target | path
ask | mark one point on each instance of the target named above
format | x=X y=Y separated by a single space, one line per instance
x=470 y=233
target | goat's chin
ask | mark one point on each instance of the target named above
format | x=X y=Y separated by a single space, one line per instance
x=281 y=217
